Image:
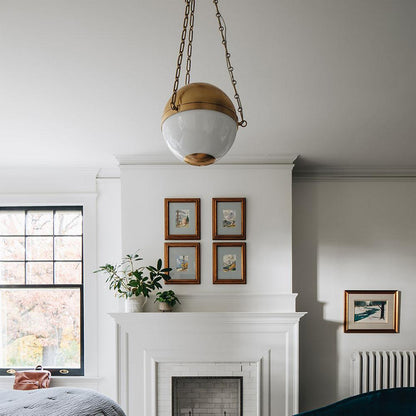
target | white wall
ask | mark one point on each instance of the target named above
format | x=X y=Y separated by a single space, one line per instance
x=267 y=189
x=357 y=234
x=108 y=251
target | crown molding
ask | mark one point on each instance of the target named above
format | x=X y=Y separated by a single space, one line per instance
x=109 y=173
x=356 y=173
x=30 y=180
x=169 y=160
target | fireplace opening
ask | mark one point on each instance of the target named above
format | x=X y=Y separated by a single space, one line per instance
x=207 y=396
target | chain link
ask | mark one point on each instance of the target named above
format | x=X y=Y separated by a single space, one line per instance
x=180 y=56
x=189 y=20
x=223 y=31
x=190 y=39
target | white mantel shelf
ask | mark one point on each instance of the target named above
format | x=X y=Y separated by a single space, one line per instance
x=149 y=340
x=232 y=317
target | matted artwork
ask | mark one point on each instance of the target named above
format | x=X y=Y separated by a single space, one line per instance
x=228 y=218
x=182 y=219
x=183 y=258
x=371 y=311
x=229 y=263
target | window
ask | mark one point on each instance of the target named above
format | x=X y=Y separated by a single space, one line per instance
x=41 y=289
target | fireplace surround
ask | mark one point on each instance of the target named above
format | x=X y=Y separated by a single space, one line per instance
x=154 y=346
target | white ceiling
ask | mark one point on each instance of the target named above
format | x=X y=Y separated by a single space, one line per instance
x=331 y=80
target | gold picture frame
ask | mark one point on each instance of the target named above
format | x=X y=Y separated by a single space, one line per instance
x=368 y=311
x=184 y=260
x=229 y=263
x=228 y=218
x=182 y=219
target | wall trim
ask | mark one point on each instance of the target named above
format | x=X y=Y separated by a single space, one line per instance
x=57 y=180
x=358 y=174
x=109 y=173
x=88 y=201
x=161 y=160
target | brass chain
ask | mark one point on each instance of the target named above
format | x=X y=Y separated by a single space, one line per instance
x=223 y=31
x=190 y=39
x=180 y=56
x=189 y=20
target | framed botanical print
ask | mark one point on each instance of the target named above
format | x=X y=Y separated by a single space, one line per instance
x=371 y=311
x=228 y=218
x=184 y=260
x=229 y=263
x=182 y=219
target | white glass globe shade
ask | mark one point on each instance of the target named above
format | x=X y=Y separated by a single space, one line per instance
x=201 y=126
x=199 y=132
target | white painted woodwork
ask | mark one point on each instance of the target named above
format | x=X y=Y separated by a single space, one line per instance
x=147 y=339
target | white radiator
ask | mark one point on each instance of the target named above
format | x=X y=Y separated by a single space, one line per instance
x=377 y=370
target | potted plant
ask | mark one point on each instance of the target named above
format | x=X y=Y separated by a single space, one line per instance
x=167 y=300
x=134 y=282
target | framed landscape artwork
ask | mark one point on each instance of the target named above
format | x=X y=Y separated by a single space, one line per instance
x=182 y=219
x=229 y=263
x=371 y=311
x=183 y=258
x=228 y=218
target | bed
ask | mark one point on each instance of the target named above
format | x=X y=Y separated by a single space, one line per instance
x=57 y=401
x=391 y=402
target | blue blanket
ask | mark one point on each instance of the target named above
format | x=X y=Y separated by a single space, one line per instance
x=57 y=401
x=390 y=402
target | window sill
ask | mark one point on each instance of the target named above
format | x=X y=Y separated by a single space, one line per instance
x=6 y=382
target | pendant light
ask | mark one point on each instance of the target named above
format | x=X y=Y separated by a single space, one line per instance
x=199 y=122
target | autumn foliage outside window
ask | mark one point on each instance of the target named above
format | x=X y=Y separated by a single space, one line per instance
x=41 y=289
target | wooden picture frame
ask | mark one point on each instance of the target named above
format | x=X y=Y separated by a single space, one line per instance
x=228 y=218
x=229 y=263
x=184 y=259
x=182 y=219
x=368 y=311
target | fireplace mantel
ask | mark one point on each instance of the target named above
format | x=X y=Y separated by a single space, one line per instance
x=145 y=340
x=157 y=318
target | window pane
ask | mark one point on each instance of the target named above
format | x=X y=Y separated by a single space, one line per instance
x=39 y=273
x=12 y=273
x=68 y=222
x=68 y=248
x=40 y=326
x=12 y=248
x=39 y=248
x=68 y=273
x=12 y=222
x=39 y=222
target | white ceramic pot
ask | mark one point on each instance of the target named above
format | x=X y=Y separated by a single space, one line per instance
x=135 y=303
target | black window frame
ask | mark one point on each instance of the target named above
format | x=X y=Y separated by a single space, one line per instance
x=54 y=371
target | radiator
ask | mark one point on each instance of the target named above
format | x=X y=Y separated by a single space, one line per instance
x=377 y=370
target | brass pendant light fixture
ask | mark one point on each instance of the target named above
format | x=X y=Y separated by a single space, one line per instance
x=199 y=122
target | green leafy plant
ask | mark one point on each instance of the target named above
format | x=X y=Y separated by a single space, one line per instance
x=129 y=279
x=168 y=296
